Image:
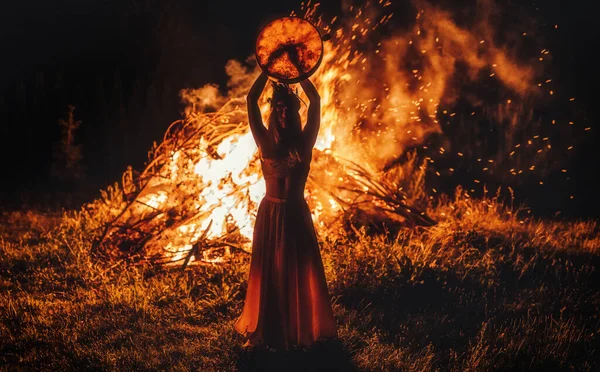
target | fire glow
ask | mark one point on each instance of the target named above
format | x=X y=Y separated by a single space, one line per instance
x=379 y=99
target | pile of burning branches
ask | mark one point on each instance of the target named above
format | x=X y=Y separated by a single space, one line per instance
x=197 y=196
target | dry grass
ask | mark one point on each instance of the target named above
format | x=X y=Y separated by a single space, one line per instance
x=485 y=289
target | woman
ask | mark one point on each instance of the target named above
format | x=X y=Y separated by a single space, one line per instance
x=287 y=302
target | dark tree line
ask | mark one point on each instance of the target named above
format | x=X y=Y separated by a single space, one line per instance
x=122 y=75
x=119 y=119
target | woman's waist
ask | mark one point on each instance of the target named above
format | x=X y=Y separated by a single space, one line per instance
x=274 y=199
x=285 y=197
x=285 y=188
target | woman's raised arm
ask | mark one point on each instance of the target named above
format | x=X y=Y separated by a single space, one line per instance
x=259 y=132
x=313 y=122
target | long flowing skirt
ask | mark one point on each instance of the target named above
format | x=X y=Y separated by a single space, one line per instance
x=287 y=302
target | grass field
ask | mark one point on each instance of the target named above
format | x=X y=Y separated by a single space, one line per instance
x=484 y=289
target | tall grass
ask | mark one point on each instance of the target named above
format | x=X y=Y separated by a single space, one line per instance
x=487 y=288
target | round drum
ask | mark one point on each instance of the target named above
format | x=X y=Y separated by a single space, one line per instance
x=289 y=49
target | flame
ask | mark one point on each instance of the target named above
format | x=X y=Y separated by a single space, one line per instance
x=379 y=98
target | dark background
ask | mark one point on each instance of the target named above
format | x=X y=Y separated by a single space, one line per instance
x=122 y=64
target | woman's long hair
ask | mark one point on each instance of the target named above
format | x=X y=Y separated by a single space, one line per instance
x=286 y=140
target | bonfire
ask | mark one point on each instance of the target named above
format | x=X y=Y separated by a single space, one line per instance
x=382 y=99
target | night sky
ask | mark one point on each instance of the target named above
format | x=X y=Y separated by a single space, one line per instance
x=148 y=46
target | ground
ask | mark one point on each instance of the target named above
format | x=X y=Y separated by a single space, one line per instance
x=487 y=288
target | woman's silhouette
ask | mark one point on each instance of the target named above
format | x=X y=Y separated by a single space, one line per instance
x=287 y=302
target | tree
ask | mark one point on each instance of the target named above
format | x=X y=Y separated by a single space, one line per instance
x=67 y=155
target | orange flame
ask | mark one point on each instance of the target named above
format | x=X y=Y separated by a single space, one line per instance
x=379 y=98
